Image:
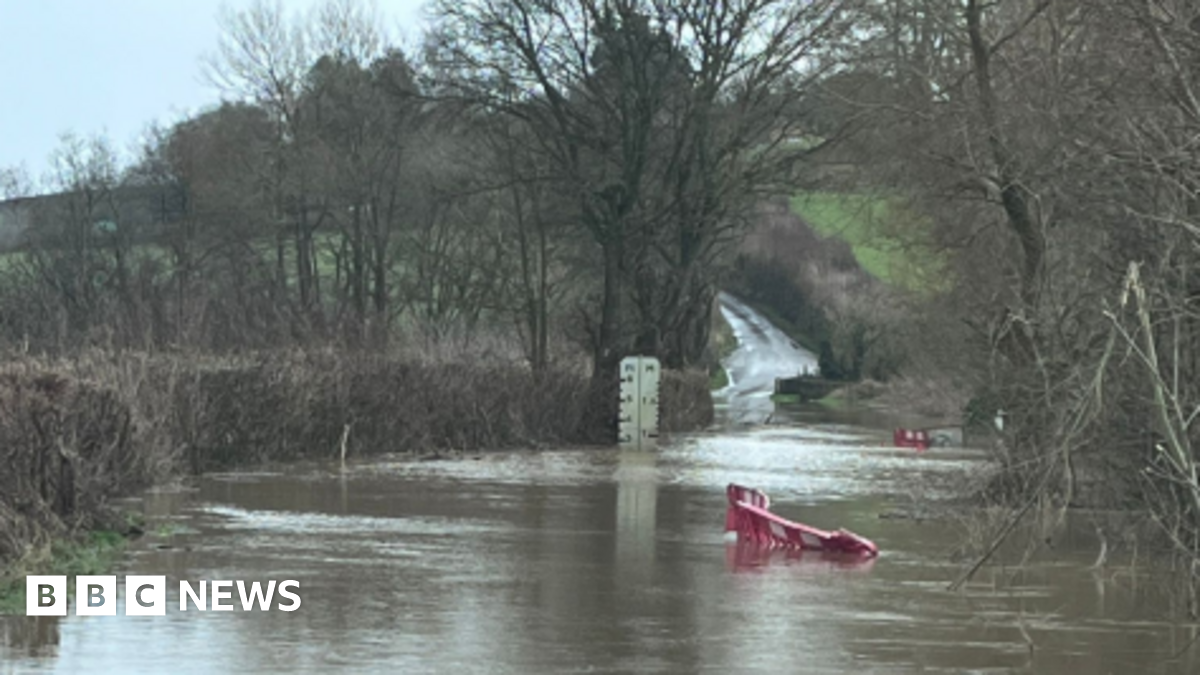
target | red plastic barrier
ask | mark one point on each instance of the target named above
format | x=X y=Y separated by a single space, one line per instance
x=754 y=523
x=748 y=556
x=737 y=493
x=911 y=438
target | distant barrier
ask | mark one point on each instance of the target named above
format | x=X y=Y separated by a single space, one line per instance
x=938 y=437
x=910 y=438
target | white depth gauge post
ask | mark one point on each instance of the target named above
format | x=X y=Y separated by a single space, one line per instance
x=638 y=418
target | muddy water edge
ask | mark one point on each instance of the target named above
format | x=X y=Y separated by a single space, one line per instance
x=602 y=561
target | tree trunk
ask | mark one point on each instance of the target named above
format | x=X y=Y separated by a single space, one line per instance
x=607 y=356
x=1014 y=196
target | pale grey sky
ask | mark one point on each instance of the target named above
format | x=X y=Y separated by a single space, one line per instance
x=112 y=66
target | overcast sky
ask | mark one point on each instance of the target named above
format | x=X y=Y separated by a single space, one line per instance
x=112 y=66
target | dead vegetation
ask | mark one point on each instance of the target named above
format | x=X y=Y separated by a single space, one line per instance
x=1050 y=151
x=66 y=446
x=75 y=433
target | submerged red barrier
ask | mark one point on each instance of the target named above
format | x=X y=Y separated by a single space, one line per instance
x=746 y=556
x=911 y=438
x=737 y=493
x=749 y=517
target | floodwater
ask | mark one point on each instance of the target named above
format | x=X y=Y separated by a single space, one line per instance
x=598 y=561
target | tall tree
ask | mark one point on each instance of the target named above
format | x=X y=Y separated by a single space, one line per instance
x=363 y=118
x=656 y=119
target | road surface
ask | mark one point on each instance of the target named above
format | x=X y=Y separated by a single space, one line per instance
x=763 y=353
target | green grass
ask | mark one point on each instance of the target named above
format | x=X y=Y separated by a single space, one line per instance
x=868 y=223
x=95 y=553
x=717 y=378
x=265 y=249
x=785 y=398
x=834 y=401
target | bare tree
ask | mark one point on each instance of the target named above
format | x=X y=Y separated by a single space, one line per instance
x=655 y=119
x=1049 y=149
x=310 y=74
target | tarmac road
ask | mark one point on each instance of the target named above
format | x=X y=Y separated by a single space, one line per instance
x=763 y=353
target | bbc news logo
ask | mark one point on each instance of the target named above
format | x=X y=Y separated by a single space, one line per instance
x=46 y=595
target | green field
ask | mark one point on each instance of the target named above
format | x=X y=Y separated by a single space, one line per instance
x=868 y=224
x=324 y=244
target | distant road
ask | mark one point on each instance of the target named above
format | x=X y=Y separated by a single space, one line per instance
x=763 y=353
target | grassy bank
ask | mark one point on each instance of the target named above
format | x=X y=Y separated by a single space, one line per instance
x=722 y=344
x=868 y=224
x=717 y=378
x=94 y=552
x=855 y=219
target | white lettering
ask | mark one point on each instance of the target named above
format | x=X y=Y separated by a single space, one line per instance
x=218 y=595
x=283 y=592
x=264 y=599
x=186 y=591
x=145 y=595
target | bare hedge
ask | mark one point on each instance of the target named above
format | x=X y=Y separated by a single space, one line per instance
x=77 y=432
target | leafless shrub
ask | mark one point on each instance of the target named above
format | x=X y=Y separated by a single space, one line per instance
x=66 y=445
x=687 y=402
x=70 y=443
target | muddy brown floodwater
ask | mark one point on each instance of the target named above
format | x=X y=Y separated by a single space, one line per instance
x=598 y=561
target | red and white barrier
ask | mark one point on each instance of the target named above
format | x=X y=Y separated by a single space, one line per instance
x=737 y=493
x=911 y=438
x=749 y=517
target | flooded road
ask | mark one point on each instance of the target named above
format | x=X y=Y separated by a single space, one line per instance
x=764 y=353
x=597 y=561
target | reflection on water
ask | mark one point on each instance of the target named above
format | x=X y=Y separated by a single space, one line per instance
x=601 y=561
x=30 y=636
x=637 y=504
x=752 y=557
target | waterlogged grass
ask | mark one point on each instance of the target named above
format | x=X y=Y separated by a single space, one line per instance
x=723 y=343
x=94 y=553
x=717 y=378
x=868 y=223
x=834 y=401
